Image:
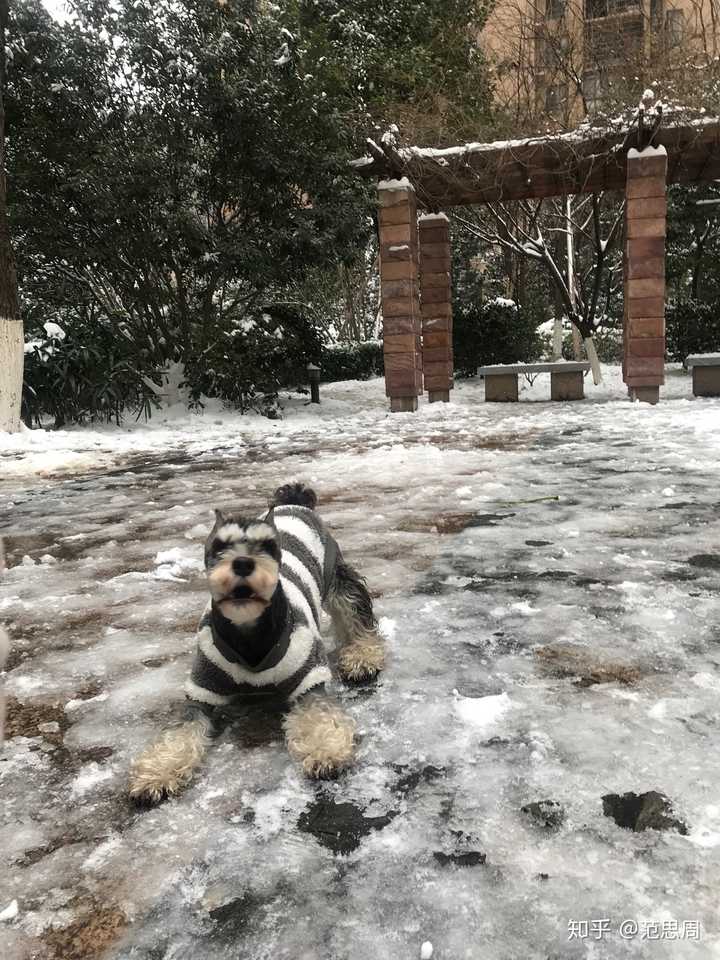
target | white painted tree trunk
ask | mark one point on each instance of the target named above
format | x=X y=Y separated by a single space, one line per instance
x=577 y=343
x=570 y=239
x=12 y=358
x=593 y=358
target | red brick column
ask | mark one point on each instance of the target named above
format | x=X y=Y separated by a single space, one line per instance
x=434 y=231
x=400 y=294
x=644 y=273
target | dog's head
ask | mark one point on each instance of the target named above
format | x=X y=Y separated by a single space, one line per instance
x=242 y=560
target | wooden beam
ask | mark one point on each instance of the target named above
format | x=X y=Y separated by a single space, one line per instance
x=574 y=163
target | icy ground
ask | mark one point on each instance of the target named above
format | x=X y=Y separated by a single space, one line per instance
x=549 y=579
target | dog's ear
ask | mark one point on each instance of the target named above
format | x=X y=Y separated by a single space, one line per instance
x=220 y=517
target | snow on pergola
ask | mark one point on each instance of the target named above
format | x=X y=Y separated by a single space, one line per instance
x=589 y=159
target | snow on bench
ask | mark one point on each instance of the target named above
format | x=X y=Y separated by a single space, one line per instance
x=705 y=373
x=566 y=379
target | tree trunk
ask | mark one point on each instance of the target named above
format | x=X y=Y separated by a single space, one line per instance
x=570 y=237
x=11 y=331
x=558 y=334
x=593 y=358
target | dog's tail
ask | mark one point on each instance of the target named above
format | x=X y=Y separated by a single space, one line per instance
x=294 y=493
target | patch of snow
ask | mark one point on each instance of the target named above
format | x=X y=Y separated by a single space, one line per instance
x=398 y=184
x=9 y=912
x=77 y=704
x=90 y=776
x=176 y=565
x=198 y=532
x=482 y=713
x=634 y=153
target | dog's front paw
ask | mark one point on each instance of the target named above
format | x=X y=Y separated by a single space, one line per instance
x=361 y=660
x=148 y=788
x=153 y=779
x=322 y=767
x=168 y=765
x=321 y=737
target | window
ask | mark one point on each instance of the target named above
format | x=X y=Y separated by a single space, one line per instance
x=551 y=50
x=674 y=27
x=554 y=99
x=656 y=14
x=554 y=9
x=595 y=9
x=592 y=90
x=541 y=53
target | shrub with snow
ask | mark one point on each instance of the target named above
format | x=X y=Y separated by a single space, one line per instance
x=497 y=331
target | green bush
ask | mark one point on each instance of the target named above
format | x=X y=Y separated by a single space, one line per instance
x=90 y=370
x=608 y=343
x=86 y=371
x=352 y=361
x=497 y=331
x=248 y=364
x=692 y=327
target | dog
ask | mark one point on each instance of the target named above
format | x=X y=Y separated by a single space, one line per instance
x=260 y=634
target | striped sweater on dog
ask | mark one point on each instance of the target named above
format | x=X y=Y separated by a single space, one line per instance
x=295 y=662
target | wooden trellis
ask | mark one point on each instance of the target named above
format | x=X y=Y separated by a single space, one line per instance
x=639 y=158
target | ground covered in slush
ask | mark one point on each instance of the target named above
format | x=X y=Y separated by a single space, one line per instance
x=537 y=765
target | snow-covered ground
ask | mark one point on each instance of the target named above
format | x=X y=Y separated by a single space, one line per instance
x=549 y=581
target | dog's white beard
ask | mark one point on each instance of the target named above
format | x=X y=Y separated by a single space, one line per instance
x=242 y=614
x=262 y=581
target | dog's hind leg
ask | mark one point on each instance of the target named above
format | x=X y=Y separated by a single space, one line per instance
x=168 y=765
x=320 y=736
x=362 y=654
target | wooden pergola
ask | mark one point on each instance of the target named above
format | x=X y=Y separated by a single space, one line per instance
x=639 y=157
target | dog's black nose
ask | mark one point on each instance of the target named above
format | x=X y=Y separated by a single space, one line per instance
x=242 y=567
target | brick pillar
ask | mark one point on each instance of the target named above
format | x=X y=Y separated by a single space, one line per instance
x=434 y=230
x=644 y=273
x=400 y=294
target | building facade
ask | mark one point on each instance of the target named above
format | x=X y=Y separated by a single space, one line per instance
x=557 y=61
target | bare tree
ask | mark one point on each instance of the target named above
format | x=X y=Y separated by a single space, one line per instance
x=528 y=229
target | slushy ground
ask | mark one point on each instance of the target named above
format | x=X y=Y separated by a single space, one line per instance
x=547 y=577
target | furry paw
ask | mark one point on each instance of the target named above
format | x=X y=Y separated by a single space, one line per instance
x=168 y=765
x=361 y=660
x=321 y=737
x=147 y=791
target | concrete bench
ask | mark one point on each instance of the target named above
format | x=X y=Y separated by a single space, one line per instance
x=705 y=373
x=566 y=379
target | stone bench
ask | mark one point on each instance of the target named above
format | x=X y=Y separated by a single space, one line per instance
x=566 y=379
x=705 y=373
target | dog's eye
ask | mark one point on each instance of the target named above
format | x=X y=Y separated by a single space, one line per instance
x=270 y=547
x=218 y=545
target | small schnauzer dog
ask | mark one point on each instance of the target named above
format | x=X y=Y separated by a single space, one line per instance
x=260 y=634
